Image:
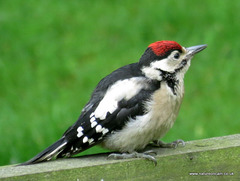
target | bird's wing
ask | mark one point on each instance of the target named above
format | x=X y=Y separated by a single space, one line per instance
x=123 y=100
x=118 y=97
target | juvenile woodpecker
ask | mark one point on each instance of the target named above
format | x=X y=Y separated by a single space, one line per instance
x=133 y=106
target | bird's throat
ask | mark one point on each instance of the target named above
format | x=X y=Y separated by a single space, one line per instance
x=171 y=80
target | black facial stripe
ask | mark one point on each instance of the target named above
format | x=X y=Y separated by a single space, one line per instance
x=170 y=79
x=182 y=65
x=184 y=62
x=149 y=56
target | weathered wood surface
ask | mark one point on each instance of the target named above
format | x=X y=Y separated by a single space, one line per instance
x=207 y=159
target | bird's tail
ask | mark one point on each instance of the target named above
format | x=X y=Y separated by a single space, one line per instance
x=52 y=151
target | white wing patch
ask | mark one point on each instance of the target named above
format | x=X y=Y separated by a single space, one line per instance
x=79 y=130
x=93 y=124
x=85 y=139
x=92 y=119
x=105 y=130
x=91 y=141
x=122 y=89
x=98 y=128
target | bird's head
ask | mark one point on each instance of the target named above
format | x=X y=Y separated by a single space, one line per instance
x=167 y=57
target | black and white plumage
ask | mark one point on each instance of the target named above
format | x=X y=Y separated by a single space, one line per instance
x=131 y=107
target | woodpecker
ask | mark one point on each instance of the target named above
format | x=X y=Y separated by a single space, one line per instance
x=133 y=106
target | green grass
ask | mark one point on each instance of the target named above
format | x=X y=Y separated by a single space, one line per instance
x=53 y=53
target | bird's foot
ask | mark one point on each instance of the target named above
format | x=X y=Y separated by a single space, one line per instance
x=146 y=155
x=174 y=144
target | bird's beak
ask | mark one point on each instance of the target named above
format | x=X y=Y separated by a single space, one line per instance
x=191 y=51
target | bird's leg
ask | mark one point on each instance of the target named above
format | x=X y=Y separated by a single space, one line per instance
x=174 y=144
x=146 y=155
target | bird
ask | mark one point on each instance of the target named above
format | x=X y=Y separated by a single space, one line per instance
x=130 y=108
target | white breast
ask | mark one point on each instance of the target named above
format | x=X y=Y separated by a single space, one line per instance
x=161 y=113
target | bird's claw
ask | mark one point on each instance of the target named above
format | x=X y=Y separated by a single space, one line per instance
x=146 y=155
x=174 y=144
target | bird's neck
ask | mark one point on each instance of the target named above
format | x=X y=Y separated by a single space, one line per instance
x=172 y=80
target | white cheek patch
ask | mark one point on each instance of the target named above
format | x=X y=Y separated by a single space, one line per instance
x=122 y=89
x=163 y=65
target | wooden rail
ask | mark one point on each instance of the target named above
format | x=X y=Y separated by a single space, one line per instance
x=207 y=159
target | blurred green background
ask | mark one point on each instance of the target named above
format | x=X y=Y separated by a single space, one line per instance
x=53 y=53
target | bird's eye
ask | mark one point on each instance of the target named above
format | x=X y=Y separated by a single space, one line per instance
x=177 y=55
